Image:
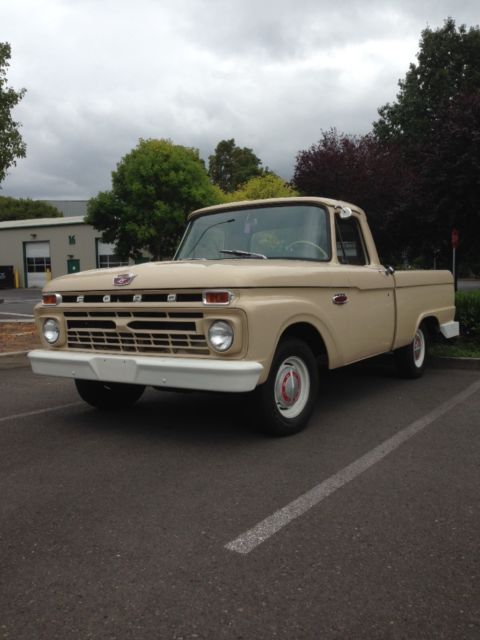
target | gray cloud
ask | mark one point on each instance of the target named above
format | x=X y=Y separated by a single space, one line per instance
x=101 y=75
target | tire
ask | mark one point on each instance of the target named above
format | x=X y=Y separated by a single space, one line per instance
x=286 y=400
x=411 y=360
x=109 y=395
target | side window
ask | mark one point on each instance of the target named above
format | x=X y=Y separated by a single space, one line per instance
x=350 y=243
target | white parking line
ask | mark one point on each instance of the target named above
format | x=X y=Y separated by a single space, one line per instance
x=14 y=313
x=249 y=540
x=39 y=412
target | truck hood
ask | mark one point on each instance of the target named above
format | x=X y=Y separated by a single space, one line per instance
x=199 y=274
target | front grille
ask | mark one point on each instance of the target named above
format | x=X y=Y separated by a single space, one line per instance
x=114 y=296
x=137 y=332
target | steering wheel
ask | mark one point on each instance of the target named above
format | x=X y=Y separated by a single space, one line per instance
x=321 y=250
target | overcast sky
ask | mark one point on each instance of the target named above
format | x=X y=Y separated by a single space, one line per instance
x=100 y=74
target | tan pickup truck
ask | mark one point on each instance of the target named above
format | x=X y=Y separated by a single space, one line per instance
x=259 y=295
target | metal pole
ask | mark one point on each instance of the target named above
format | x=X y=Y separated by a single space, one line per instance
x=454 y=267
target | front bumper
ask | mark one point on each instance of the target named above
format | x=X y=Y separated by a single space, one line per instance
x=176 y=373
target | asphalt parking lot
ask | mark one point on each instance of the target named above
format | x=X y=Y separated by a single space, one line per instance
x=18 y=304
x=131 y=525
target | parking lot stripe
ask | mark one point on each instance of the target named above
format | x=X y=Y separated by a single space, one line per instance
x=249 y=540
x=39 y=412
x=14 y=313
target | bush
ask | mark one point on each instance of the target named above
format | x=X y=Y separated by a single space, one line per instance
x=468 y=313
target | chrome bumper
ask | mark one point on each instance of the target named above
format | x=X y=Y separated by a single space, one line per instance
x=450 y=329
x=179 y=373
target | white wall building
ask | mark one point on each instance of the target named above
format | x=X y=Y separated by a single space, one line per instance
x=42 y=248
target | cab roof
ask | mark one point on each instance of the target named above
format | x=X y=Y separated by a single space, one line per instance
x=243 y=204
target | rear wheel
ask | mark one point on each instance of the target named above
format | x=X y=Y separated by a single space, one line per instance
x=109 y=395
x=412 y=359
x=286 y=400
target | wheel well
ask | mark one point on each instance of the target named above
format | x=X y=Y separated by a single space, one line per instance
x=432 y=325
x=309 y=335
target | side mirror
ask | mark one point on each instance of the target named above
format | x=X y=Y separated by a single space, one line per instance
x=389 y=270
x=345 y=212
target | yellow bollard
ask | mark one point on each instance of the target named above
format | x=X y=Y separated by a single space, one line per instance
x=16 y=278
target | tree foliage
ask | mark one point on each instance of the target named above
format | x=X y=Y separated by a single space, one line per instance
x=448 y=68
x=26 y=209
x=230 y=166
x=261 y=187
x=448 y=181
x=418 y=173
x=11 y=143
x=361 y=170
x=435 y=124
x=154 y=187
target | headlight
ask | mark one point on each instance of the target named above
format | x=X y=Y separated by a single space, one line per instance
x=220 y=335
x=51 y=330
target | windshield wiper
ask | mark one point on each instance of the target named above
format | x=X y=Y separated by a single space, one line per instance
x=215 y=224
x=243 y=254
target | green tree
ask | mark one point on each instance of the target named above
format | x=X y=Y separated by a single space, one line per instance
x=231 y=166
x=154 y=187
x=448 y=67
x=261 y=187
x=11 y=143
x=435 y=126
x=448 y=183
x=26 y=209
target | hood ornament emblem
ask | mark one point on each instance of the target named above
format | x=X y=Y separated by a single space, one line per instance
x=123 y=279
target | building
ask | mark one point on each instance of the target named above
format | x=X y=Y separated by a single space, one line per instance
x=69 y=207
x=43 y=248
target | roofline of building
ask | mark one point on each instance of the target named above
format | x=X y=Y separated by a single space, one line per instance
x=42 y=222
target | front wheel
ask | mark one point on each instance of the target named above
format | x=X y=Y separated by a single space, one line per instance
x=109 y=395
x=286 y=400
x=412 y=359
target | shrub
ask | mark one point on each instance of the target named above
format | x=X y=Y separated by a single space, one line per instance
x=468 y=313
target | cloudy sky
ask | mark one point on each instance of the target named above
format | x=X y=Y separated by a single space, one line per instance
x=100 y=74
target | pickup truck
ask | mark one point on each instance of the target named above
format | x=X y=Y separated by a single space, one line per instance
x=258 y=296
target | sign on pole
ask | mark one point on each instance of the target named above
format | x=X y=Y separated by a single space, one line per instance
x=455 y=241
x=455 y=238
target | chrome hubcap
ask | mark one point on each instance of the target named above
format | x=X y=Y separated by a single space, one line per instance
x=289 y=387
x=292 y=386
x=419 y=348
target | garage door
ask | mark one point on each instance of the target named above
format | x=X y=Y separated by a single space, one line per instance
x=37 y=257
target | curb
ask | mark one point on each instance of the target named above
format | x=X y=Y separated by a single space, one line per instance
x=15 y=353
x=14 y=360
x=445 y=362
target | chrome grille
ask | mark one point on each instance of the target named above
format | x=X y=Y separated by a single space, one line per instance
x=149 y=332
x=128 y=297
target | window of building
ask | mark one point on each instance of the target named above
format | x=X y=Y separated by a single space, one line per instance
x=106 y=256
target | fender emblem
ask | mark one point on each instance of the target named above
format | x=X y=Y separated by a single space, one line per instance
x=123 y=279
x=340 y=298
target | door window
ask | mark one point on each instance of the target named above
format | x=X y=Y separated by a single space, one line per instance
x=351 y=247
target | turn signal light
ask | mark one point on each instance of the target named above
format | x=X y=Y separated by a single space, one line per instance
x=217 y=297
x=51 y=299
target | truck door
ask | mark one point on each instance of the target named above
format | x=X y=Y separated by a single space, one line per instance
x=370 y=303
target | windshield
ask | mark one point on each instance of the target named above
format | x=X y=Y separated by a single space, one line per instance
x=291 y=232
